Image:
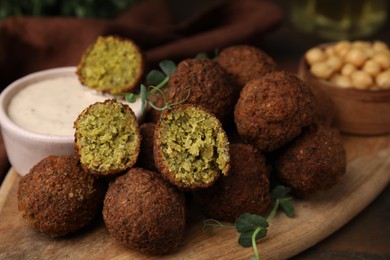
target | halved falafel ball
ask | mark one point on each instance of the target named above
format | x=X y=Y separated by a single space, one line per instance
x=207 y=84
x=58 y=196
x=144 y=212
x=245 y=63
x=272 y=110
x=191 y=148
x=314 y=161
x=111 y=65
x=146 y=156
x=107 y=138
x=245 y=190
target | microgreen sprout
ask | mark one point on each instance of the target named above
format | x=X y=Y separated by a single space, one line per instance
x=156 y=80
x=253 y=227
x=205 y=55
x=215 y=223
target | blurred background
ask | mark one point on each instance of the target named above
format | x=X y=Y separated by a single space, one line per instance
x=328 y=19
x=74 y=8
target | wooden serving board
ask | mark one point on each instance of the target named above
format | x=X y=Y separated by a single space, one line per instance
x=368 y=173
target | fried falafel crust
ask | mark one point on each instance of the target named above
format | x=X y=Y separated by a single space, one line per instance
x=314 y=161
x=245 y=190
x=272 y=110
x=58 y=197
x=245 y=63
x=146 y=157
x=208 y=86
x=144 y=212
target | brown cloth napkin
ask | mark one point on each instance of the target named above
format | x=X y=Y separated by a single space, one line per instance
x=29 y=44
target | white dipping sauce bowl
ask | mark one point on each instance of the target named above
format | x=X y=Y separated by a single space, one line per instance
x=25 y=148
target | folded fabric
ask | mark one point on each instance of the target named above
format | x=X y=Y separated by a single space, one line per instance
x=29 y=44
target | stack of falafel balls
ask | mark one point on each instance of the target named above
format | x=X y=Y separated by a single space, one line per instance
x=242 y=122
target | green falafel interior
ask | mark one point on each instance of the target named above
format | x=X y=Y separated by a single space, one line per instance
x=107 y=137
x=111 y=65
x=194 y=147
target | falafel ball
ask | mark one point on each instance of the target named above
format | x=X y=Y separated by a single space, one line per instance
x=245 y=62
x=203 y=82
x=107 y=138
x=111 y=65
x=245 y=190
x=191 y=149
x=144 y=212
x=58 y=196
x=272 y=110
x=314 y=161
x=146 y=157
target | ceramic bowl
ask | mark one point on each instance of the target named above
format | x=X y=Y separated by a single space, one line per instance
x=359 y=112
x=23 y=147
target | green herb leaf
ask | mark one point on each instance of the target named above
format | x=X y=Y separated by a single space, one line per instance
x=280 y=191
x=131 y=97
x=202 y=55
x=286 y=205
x=245 y=238
x=168 y=67
x=281 y=195
x=144 y=97
x=250 y=222
x=154 y=77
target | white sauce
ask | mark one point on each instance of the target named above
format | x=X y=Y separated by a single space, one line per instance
x=51 y=106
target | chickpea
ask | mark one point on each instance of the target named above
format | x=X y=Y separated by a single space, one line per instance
x=358 y=64
x=372 y=67
x=329 y=51
x=334 y=62
x=379 y=46
x=383 y=59
x=342 y=47
x=356 y=56
x=361 y=79
x=321 y=70
x=369 y=52
x=341 y=80
x=361 y=44
x=314 y=55
x=383 y=80
x=347 y=69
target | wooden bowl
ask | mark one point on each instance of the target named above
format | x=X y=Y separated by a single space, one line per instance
x=362 y=112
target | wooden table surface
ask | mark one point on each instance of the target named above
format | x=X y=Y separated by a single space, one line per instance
x=368 y=165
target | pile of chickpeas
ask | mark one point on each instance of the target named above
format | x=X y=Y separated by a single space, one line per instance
x=352 y=64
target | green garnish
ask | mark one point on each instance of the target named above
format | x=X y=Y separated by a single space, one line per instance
x=253 y=227
x=205 y=55
x=280 y=194
x=215 y=223
x=156 y=80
